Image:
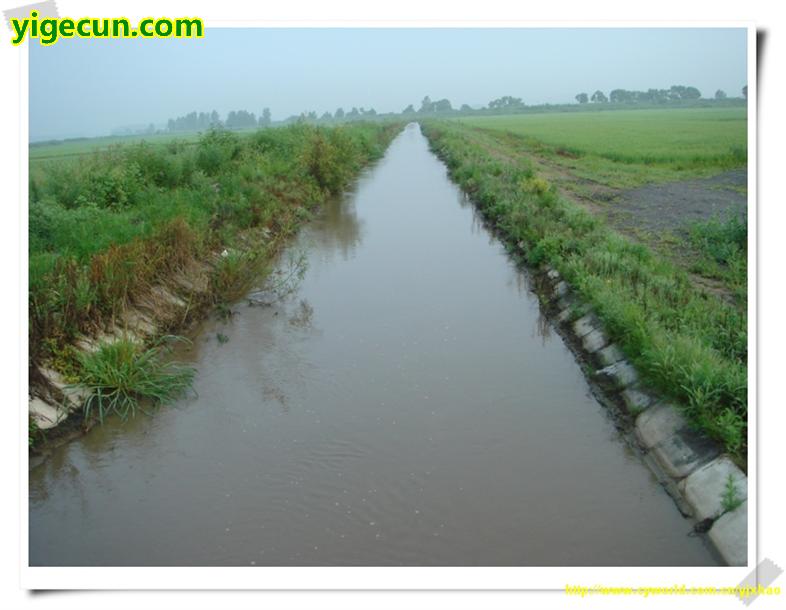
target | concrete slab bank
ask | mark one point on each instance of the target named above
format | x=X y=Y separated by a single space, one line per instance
x=705 y=484
x=165 y=306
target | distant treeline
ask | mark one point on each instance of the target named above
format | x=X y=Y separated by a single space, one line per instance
x=236 y=119
x=677 y=95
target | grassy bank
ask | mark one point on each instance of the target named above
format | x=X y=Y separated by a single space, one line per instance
x=686 y=343
x=106 y=227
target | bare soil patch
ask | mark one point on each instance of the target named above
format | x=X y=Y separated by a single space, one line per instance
x=674 y=206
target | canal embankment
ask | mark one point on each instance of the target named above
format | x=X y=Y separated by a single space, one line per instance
x=651 y=343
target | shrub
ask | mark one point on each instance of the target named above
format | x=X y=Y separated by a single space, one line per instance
x=217 y=148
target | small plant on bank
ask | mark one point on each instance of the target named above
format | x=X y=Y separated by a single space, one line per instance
x=222 y=338
x=123 y=374
x=731 y=497
x=224 y=311
x=722 y=239
x=286 y=280
x=34 y=433
x=730 y=427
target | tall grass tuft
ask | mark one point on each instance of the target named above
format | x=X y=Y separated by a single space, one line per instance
x=724 y=239
x=123 y=375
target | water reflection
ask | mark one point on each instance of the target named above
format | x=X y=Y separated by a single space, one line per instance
x=542 y=327
x=337 y=229
x=303 y=317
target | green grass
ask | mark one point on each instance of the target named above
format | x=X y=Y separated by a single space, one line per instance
x=730 y=499
x=123 y=376
x=680 y=138
x=684 y=342
x=78 y=147
x=84 y=146
x=723 y=248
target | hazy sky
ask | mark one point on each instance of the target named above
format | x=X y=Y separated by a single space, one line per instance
x=89 y=87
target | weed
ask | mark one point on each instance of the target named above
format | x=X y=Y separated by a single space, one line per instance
x=222 y=338
x=730 y=427
x=723 y=247
x=731 y=497
x=122 y=375
x=224 y=311
x=285 y=280
x=34 y=434
x=722 y=239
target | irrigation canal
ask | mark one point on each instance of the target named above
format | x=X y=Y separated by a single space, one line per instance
x=408 y=405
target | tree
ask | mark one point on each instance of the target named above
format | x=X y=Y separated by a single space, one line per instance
x=505 y=101
x=582 y=98
x=681 y=92
x=599 y=97
x=326 y=117
x=339 y=113
x=264 y=118
x=465 y=108
x=658 y=96
x=720 y=94
x=408 y=110
x=676 y=92
x=745 y=92
x=238 y=119
x=619 y=96
x=193 y=121
x=442 y=105
x=691 y=93
x=426 y=105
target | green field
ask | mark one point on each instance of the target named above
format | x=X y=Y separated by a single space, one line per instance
x=676 y=137
x=53 y=150
x=71 y=148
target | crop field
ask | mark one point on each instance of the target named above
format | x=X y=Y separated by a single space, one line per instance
x=44 y=151
x=680 y=138
x=82 y=146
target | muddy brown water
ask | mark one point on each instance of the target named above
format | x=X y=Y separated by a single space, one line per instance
x=408 y=405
